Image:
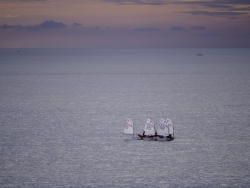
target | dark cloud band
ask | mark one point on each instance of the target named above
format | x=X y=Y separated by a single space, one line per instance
x=208 y=13
x=48 y=24
x=138 y=2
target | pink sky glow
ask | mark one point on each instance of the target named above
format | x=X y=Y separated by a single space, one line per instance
x=124 y=23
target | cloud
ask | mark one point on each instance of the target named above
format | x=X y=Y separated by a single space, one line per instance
x=240 y=9
x=138 y=2
x=236 y=2
x=177 y=28
x=76 y=24
x=206 y=3
x=11 y=16
x=146 y=29
x=210 y=4
x=48 y=24
x=198 y=28
x=216 y=14
x=21 y=0
x=226 y=8
x=6 y=26
x=215 y=3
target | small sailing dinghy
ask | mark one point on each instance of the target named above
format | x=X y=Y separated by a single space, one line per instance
x=129 y=130
x=149 y=132
x=165 y=129
x=162 y=130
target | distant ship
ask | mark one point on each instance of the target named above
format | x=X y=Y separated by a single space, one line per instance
x=199 y=54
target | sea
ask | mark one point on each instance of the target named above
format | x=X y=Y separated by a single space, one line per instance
x=62 y=114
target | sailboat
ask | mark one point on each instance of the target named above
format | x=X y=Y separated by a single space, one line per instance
x=129 y=130
x=149 y=130
x=165 y=129
x=162 y=130
x=129 y=127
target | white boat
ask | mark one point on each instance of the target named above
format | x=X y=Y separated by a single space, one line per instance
x=129 y=130
x=149 y=128
x=129 y=127
x=162 y=130
x=170 y=127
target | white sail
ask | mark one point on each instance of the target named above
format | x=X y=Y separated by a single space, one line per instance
x=170 y=126
x=149 y=128
x=163 y=128
x=129 y=127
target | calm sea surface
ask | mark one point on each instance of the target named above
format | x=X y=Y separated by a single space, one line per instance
x=62 y=113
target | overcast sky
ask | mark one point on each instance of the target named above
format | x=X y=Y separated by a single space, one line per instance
x=124 y=23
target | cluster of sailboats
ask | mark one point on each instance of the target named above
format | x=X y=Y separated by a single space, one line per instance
x=164 y=131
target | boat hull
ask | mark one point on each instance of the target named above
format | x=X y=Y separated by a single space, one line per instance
x=154 y=138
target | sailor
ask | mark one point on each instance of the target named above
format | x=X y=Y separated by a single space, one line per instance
x=170 y=129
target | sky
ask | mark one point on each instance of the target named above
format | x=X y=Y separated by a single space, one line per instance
x=124 y=23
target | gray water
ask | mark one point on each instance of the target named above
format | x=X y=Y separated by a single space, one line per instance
x=62 y=113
